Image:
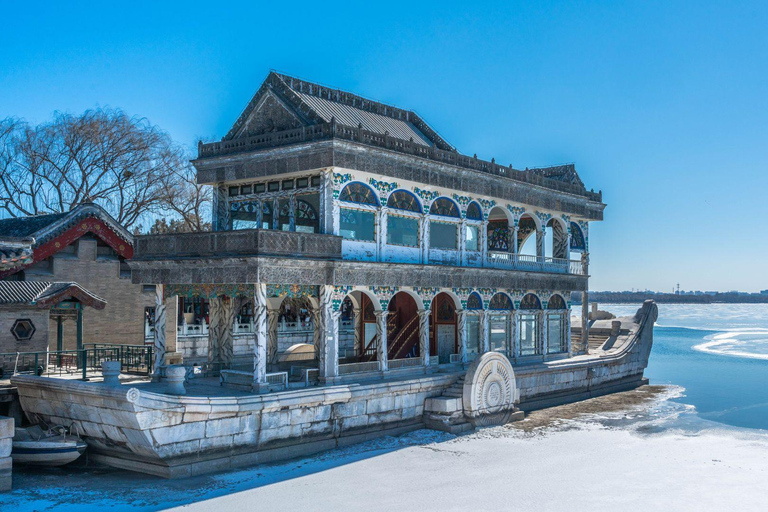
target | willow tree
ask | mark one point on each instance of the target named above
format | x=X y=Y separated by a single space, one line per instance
x=125 y=164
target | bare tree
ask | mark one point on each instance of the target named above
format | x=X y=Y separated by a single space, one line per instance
x=128 y=166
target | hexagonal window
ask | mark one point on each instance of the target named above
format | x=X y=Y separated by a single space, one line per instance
x=23 y=330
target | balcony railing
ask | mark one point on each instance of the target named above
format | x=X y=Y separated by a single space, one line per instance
x=201 y=329
x=528 y=262
x=333 y=130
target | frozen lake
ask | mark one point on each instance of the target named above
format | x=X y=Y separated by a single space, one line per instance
x=698 y=443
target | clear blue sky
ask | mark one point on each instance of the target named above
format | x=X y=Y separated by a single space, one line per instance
x=662 y=105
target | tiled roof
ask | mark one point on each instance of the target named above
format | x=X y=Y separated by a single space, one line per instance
x=370 y=121
x=27 y=226
x=45 y=294
x=15 y=253
x=315 y=103
x=43 y=227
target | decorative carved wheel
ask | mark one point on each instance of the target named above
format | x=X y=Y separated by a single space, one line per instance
x=490 y=391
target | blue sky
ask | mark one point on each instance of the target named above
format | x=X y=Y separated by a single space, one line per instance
x=662 y=105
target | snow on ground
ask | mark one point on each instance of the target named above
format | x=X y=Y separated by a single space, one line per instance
x=611 y=453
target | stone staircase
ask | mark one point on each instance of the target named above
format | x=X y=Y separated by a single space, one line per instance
x=596 y=340
x=446 y=412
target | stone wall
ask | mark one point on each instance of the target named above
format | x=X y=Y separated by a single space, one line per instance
x=39 y=340
x=6 y=436
x=121 y=321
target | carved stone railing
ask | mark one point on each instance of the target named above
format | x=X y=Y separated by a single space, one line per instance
x=333 y=130
x=250 y=242
x=528 y=262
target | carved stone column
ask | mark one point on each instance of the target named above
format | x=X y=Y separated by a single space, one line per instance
x=516 y=232
x=424 y=221
x=484 y=241
x=567 y=324
x=326 y=198
x=544 y=333
x=485 y=332
x=585 y=305
x=273 y=315
x=540 y=243
x=260 y=338
x=424 y=335
x=159 y=335
x=328 y=348
x=382 y=233
x=461 y=327
x=220 y=208
x=292 y=213
x=222 y=312
x=358 y=327
x=462 y=242
x=516 y=334
x=275 y=214
x=381 y=337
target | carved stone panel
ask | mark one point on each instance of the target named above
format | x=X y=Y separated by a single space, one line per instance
x=490 y=390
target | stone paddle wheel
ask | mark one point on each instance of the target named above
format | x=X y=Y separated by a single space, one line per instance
x=486 y=395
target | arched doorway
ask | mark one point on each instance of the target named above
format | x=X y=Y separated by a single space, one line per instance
x=443 y=336
x=557 y=325
x=402 y=327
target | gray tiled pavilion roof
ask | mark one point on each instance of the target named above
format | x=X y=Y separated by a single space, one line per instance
x=45 y=294
x=315 y=103
x=15 y=252
x=27 y=226
x=44 y=227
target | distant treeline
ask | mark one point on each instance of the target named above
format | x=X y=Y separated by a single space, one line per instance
x=669 y=298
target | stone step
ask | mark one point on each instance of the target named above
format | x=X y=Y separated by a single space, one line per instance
x=443 y=404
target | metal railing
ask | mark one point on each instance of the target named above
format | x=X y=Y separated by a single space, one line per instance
x=133 y=358
x=369 y=366
x=277 y=379
x=408 y=362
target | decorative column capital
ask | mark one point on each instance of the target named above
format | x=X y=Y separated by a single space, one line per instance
x=381 y=314
x=423 y=312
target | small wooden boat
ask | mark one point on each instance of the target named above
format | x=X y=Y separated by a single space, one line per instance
x=53 y=447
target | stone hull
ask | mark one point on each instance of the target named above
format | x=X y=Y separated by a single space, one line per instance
x=173 y=436
x=177 y=436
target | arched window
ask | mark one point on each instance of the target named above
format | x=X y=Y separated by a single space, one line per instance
x=530 y=301
x=474 y=301
x=474 y=212
x=529 y=326
x=445 y=207
x=244 y=215
x=358 y=224
x=404 y=200
x=556 y=302
x=557 y=325
x=577 y=238
x=501 y=302
x=359 y=193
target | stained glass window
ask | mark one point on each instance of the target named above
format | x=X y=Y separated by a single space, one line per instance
x=556 y=302
x=402 y=200
x=445 y=207
x=530 y=301
x=498 y=235
x=500 y=301
x=358 y=193
x=525 y=227
x=577 y=238
x=474 y=212
x=445 y=310
x=474 y=301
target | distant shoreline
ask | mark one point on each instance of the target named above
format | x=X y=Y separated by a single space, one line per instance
x=669 y=298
